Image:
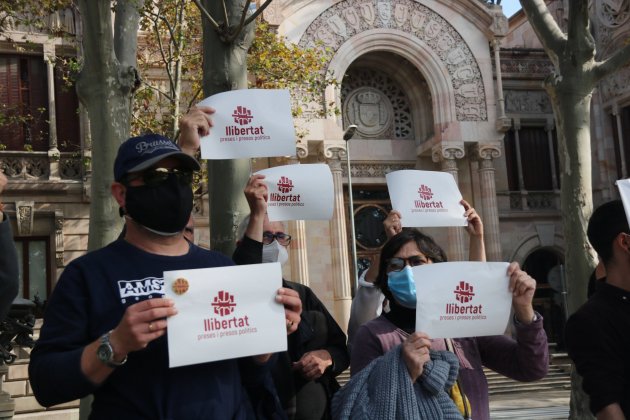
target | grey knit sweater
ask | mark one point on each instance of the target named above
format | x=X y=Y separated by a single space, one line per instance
x=383 y=390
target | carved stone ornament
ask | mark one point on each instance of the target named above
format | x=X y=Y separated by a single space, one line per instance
x=24 y=213
x=272 y=14
x=376 y=170
x=59 y=244
x=447 y=154
x=486 y=153
x=527 y=102
x=344 y=20
x=370 y=110
x=301 y=150
x=531 y=66
x=616 y=84
x=613 y=13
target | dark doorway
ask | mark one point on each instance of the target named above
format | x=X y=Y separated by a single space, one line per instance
x=546 y=265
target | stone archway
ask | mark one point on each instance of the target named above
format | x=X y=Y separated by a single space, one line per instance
x=415 y=32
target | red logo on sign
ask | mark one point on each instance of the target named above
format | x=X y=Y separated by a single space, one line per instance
x=464 y=292
x=223 y=303
x=285 y=185
x=242 y=115
x=425 y=192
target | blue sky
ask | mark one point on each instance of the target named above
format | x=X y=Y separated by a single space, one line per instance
x=510 y=7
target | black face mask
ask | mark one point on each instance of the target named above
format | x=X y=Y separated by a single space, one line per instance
x=163 y=209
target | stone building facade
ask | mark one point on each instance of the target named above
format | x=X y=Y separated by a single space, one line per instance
x=445 y=85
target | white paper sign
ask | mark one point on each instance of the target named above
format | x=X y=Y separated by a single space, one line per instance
x=224 y=313
x=426 y=198
x=299 y=192
x=249 y=123
x=624 y=191
x=462 y=299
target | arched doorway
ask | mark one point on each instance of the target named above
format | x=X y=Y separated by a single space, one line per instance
x=546 y=265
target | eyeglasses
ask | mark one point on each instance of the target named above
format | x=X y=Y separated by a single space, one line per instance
x=397 y=264
x=156 y=176
x=283 y=238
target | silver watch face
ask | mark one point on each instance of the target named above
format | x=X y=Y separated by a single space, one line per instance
x=104 y=352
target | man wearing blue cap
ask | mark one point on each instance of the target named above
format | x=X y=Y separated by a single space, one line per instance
x=105 y=324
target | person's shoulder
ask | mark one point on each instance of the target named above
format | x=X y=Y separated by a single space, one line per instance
x=213 y=258
x=102 y=254
x=379 y=325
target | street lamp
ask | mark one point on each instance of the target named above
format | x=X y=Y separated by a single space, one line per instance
x=347 y=135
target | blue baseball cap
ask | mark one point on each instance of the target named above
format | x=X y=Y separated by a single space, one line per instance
x=142 y=152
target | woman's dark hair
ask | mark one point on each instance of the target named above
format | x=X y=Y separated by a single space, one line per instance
x=425 y=244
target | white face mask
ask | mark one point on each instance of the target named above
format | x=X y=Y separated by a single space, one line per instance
x=274 y=252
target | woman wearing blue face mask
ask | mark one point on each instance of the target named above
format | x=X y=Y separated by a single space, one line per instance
x=524 y=359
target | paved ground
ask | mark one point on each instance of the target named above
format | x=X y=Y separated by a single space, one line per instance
x=548 y=404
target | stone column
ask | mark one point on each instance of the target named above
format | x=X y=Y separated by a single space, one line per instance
x=53 y=151
x=619 y=128
x=447 y=155
x=486 y=154
x=7 y=405
x=552 y=155
x=340 y=270
x=298 y=255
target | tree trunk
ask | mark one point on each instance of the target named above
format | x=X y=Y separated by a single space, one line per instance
x=105 y=87
x=572 y=109
x=224 y=69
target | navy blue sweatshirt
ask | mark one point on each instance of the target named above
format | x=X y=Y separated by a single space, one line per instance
x=89 y=300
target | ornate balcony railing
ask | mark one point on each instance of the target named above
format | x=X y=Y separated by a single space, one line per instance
x=532 y=200
x=40 y=165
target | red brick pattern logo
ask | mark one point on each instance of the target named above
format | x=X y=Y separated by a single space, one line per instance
x=223 y=303
x=425 y=192
x=285 y=185
x=464 y=292
x=242 y=115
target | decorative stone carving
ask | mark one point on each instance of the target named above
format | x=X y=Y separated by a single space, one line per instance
x=394 y=113
x=59 y=244
x=272 y=14
x=301 y=150
x=613 y=13
x=488 y=151
x=347 y=18
x=447 y=152
x=70 y=168
x=530 y=66
x=24 y=213
x=375 y=170
x=25 y=167
x=616 y=84
x=333 y=154
x=370 y=110
x=527 y=102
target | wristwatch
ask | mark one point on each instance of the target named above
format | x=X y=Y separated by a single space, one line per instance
x=105 y=352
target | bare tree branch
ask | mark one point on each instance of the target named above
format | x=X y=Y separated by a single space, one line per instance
x=545 y=26
x=612 y=64
x=194 y=98
x=204 y=12
x=257 y=13
x=226 y=21
x=158 y=90
x=162 y=53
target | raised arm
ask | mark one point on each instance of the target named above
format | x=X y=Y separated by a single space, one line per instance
x=477 y=248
